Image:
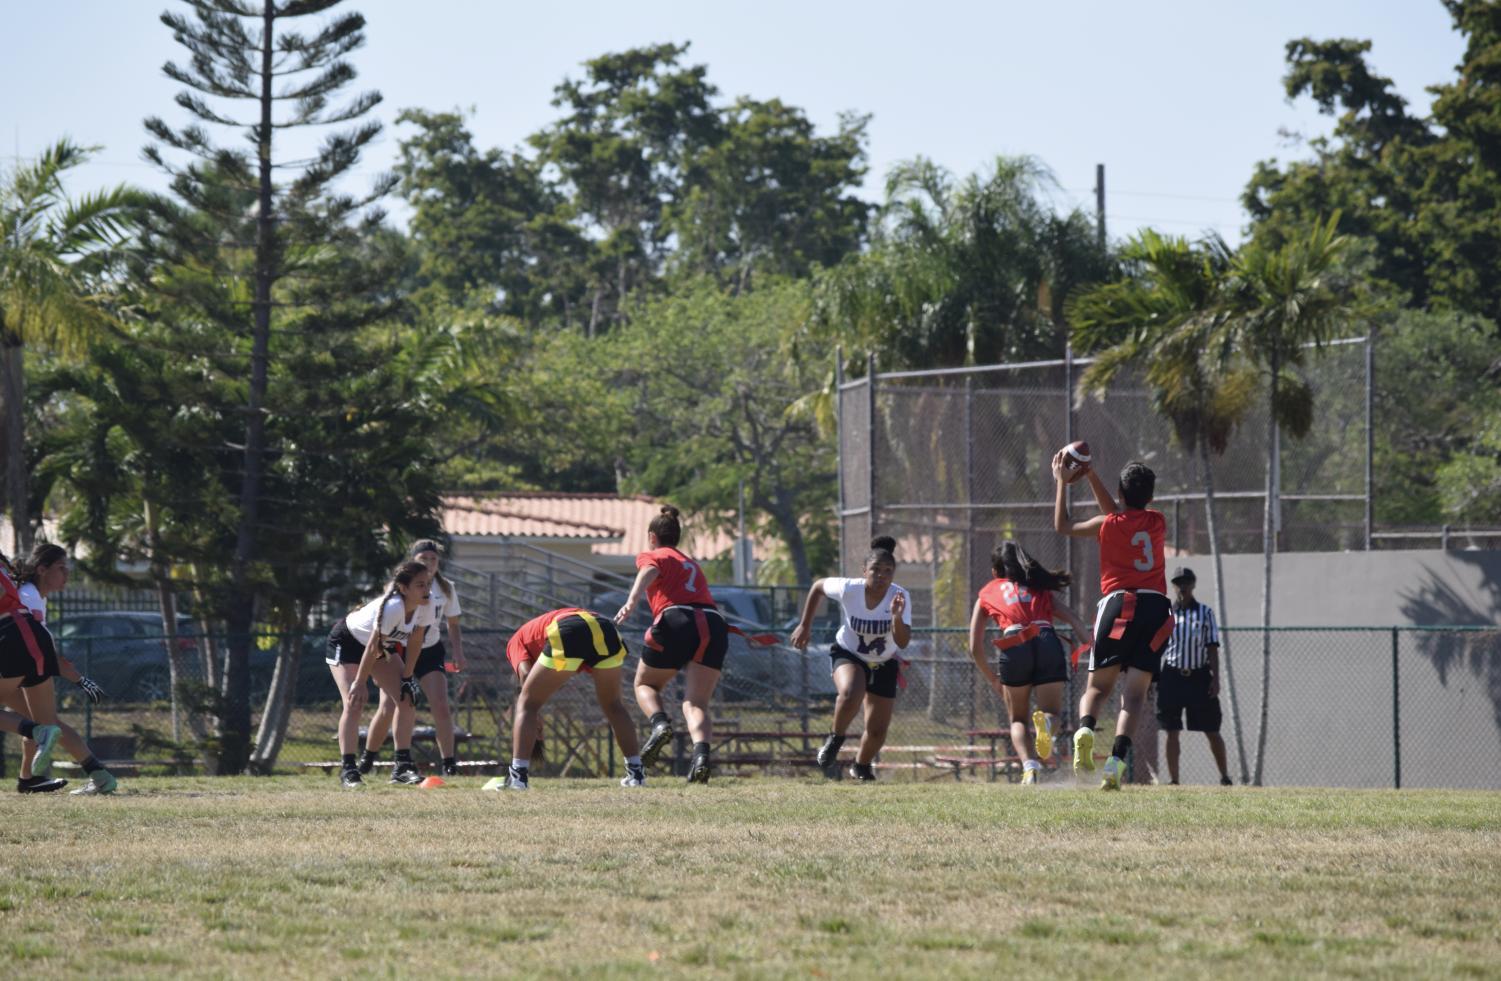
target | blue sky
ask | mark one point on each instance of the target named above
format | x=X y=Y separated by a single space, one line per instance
x=1178 y=98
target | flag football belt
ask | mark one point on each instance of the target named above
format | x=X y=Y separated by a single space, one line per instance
x=1017 y=636
x=1128 y=613
x=700 y=623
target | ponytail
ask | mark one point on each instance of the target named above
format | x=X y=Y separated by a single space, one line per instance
x=403 y=576
x=43 y=554
x=667 y=527
x=1010 y=561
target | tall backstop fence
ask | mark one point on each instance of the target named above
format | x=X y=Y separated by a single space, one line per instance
x=1355 y=707
x=952 y=461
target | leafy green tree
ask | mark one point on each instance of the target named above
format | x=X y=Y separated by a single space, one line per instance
x=1159 y=321
x=963 y=272
x=711 y=388
x=54 y=254
x=263 y=250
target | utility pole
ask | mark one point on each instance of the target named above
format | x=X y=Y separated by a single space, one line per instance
x=1099 y=202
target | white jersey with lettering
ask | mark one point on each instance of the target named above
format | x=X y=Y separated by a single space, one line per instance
x=867 y=631
x=443 y=607
x=395 y=627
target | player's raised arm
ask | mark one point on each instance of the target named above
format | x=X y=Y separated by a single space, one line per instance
x=1102 y=495
x=1062 y=522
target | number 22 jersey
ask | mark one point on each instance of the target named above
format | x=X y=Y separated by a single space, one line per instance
x=1132 y=553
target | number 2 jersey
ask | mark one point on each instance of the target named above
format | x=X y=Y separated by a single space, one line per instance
x=1010 y=604
x=867 y=632
x=1132 y=553
x=679 y=581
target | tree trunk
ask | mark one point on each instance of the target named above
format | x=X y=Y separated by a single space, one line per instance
x=784 y=514
x=272 y=732
x=1268 y=542
x=1219 y=599
x=17 y=488
x=208 y=649
x=176 y=666
x=234 y=725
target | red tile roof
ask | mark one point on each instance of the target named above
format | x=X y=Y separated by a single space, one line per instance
x=617 y=524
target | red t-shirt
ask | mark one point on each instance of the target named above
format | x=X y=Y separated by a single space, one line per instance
x=10 y=596
x=679 y=580
x=530 y=638
x=1132 y=554
x=1011 y=604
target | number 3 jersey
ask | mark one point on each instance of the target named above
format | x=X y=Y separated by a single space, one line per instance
x=1132 y=554
x=866 y=631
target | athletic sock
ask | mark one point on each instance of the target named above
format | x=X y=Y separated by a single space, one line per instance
x=1121 y=748
x=403 y=756
x=91 y=765
x=660 y=718
x=1031 y=765
x=348 y=759
x=450 y=761
x=700 y=749
x=1086 y=722
x=633 y=761
x=27 y=727
x=520 y=764
x=370 y=754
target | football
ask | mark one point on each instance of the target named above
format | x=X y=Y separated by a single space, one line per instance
x=1076 y=458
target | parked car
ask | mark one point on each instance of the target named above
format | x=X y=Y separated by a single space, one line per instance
x=124 y=650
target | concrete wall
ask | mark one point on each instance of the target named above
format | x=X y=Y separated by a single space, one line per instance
x=1331 y=712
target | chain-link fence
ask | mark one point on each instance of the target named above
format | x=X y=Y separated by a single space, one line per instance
x=952 y=461
x=1379 y=707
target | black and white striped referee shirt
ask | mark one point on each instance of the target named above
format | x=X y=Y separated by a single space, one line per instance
x=1193 y=631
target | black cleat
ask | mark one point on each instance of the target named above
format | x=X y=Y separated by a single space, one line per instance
x=367 y=762
x=40 y=785
x=862 y=772
x=350 y=780
x=406 y=773
x=698 y=769
x=661 y=735
x=450 y=769
x=1226 y=782
x=828 y=756
x=516 y=778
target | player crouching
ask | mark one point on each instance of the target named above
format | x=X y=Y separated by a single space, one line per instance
x=562 y=642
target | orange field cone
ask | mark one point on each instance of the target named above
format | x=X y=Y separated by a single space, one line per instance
x=433 y=781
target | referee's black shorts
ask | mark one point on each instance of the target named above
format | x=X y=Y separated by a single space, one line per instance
x=1180 y=694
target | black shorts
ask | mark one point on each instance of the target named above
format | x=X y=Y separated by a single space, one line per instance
x=343 y=647
x=684 y=634
x=880 y=679
x=1131 y=629
x=1179 y=693
x=26 y=650
x=582 y=642
x=1039 y=661
x=431 y=659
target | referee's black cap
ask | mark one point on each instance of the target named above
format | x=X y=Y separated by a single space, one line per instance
x=1184 y=573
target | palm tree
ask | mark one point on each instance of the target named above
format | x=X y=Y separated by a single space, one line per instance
x=1158 y=319
x=54 y=253
x=1282 y=303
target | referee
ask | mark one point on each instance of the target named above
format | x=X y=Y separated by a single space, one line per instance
x=1190 y=678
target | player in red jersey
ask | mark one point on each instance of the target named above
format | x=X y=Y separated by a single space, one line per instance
x=687 y=633
x=1020 y=601
x=558 y=644
x=1134 y=618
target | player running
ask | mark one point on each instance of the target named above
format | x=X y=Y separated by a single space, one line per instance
x=28 y=663
x=380 y=640
x=430 y=670
x=1020 y=601
x=876 y=622
x=557 y=645
x=1134 y=618
x=687 y=634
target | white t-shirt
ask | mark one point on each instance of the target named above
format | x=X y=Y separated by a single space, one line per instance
x=34 y=601
x=394 y=628
x=442 y=608
x=866 y=631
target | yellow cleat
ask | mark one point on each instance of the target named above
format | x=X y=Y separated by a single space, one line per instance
x=1083 y=752
x=1113 y=768
x=1029 y=775
x=1044 y=734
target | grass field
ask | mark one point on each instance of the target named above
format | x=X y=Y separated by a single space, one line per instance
x=290 y=876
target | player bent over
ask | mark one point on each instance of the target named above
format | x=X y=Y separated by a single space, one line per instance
x=561 y=643
x=1032 y=660
x=1134 y=618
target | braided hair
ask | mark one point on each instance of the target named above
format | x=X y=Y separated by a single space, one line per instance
x=403 y=576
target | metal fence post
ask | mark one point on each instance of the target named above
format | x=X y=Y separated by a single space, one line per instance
x=1396 y=715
